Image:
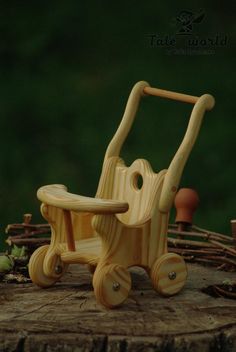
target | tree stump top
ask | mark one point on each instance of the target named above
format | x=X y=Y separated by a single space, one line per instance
x=66 y=316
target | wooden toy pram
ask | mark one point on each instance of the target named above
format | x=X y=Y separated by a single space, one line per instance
x=126 y=223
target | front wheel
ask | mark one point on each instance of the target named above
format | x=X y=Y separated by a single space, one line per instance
x=36 y=271
x=168 y=274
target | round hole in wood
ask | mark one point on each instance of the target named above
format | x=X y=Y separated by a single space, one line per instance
x=137 y=181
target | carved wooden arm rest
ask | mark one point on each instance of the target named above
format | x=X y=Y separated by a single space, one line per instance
x=57 y=195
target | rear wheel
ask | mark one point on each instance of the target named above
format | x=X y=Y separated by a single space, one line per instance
x=36 y=271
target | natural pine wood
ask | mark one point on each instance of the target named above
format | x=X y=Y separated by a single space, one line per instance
x=174 y=265
x=175 y=170
x=126 y=223
x=69 y=230
x=171 y=95
x=112 y=285
x=57 y=196
x=36 y=268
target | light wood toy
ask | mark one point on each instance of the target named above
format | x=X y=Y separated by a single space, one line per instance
x=126 y=223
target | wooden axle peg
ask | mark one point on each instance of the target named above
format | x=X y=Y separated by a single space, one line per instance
x=186 y=202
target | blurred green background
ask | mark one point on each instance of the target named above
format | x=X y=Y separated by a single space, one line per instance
x=66 y=72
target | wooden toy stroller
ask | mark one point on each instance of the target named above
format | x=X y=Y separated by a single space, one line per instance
x=126 y=223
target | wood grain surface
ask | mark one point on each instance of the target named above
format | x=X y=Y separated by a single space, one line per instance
x=131 y=211
x=57 y=196
x=66 y=317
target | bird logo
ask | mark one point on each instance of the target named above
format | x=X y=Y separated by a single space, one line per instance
x=187 y=18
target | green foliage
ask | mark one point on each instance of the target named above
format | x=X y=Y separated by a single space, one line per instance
x=66 y=72
x=17 y=252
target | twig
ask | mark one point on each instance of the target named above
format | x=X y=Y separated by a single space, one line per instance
x=30 y=234
x=24 y=225
x=206 y=236
x=200 y=252
x=220 y=235
x=227 y=248
x=27 y=241
x=189 y=243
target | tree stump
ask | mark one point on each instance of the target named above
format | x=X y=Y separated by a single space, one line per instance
x=66 y=316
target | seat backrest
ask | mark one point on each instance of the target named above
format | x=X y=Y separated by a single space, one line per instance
x=137 y=185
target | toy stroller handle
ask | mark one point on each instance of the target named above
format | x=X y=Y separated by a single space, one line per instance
x=171 y=95
x=122 y=132
x=174 y=172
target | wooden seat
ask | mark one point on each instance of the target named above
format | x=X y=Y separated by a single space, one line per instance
x=126 y=223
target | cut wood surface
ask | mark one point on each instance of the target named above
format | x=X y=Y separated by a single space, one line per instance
x=66 y=317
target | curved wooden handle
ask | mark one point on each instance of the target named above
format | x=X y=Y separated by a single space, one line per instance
x=175 y=170
x=57 y=195
x=140 y=89
x=117 y=141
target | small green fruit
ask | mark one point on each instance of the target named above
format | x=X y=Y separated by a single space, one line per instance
x=6 y=264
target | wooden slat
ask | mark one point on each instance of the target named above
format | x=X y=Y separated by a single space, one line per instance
x=69 y=230
x=171 y=95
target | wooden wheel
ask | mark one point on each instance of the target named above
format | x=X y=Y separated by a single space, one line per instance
x=36 y=271
x=168 y=274
x=112 y=284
